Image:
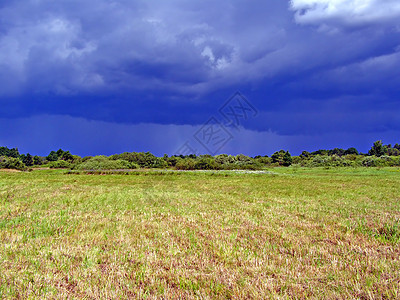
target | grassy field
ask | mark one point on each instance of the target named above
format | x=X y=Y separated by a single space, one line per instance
x=290 y=233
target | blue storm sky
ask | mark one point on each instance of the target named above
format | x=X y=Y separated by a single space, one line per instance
x=108 y=76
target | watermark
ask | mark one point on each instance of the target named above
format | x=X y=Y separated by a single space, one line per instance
x=187 y=149
x=216 y=133
x=213 y=136
x=236 y=109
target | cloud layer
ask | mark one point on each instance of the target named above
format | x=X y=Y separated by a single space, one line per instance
x=346 y=12
x=310 y=67
x=69 y=48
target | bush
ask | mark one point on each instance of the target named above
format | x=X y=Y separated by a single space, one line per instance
x=296 y=160
x=277 y=157
x=4 y=151
x=249 y=166
x=223 y=159
x=143 y=159
x=59 y=164
x=105 y=163
x=172 y=161
x=185 y=164
x=159 y=162
x=264 y=160
x=12 y=163
x=372 y=161
x=86 y=158
x=389 y=160
x=287 y=159
x=318 y=161
x=243 y=158
x=38 y=160
x=206 y=163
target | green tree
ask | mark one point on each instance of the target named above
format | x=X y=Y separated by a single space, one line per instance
x=185 y=163
x=287 y=159
x=377 y=149
x=159 y=162
x=351 y=150
x=242 y=157
x=305 y=154
x=52 y=156
x=28 y=160
x=37 y=160
x=60 y=152
x=67 y=156
x=224 y=159
x=172 y=161
x=206 y=162
x=277 y=157
x=8 y=162
x=393 y=152
x=320 y=152
x=4 y=151
x=337 y=151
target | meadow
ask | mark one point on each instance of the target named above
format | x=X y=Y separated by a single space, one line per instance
x=281 y=234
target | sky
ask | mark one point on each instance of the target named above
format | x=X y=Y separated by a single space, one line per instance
x=208 y=77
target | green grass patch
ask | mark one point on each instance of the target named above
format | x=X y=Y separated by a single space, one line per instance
x=279 y=233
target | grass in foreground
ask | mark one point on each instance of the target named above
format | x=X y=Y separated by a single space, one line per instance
x=298 y=233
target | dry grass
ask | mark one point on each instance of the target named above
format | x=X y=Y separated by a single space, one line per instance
x=9 y=171
x=300 y=233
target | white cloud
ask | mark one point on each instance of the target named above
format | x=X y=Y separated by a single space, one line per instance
x=346 y=12
x=207 y=52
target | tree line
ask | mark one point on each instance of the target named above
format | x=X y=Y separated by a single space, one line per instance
x=378 y=155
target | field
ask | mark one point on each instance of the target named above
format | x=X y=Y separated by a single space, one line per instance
x=287 y=233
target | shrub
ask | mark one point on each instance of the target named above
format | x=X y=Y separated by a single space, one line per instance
x=249 y=166
x=185 y=164
x=143 y=159
x=38 y=160
x=206 y=163
x=12 y=163
x=159 y=162
x=264 y=160
x=86 y=158
x=172 y=161
x=351 y=157
x=223 y=159
x=319 y=161
x=287 y=159
x=4 y=151
x=242 y=157
x=296 y=160
x=389 y=160
x=105 y=163
x=59 y=164
x=373 y=161
x=277 y=157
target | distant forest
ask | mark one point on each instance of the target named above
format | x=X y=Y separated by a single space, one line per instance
x=379 y=155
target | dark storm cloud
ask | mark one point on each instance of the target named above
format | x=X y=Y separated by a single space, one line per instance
x=309 y=66
x=95 y=45
x=69 y=47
